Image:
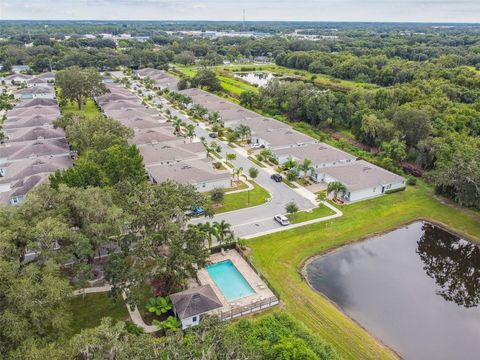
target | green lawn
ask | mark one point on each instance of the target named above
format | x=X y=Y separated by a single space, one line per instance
x=89 y=309
x=240 y=200
x=280 y=256
x=89 y=109
x=318 y=212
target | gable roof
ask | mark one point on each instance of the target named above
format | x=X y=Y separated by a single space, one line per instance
x=362 y=175
x=28 y=121
x=317 y=153
x=195 y=301
x=37 y=102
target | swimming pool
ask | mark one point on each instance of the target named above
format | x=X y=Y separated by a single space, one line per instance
x=229 y=280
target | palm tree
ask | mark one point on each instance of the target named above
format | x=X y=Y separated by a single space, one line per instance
x=237 y=172
x=210 y=230
x=190 y=132
x=305 y=167
x=336 y=187
x=214 y=118
x=290 y=163
x=243 y=131
x=177 y=125
x=224 y=232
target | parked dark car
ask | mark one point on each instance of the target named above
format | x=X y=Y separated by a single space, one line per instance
x=276 y=177
x=212 y=135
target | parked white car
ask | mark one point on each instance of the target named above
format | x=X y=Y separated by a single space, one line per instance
x=282 y=220
x=255 y=146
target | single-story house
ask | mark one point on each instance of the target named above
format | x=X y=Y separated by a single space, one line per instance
x=199 y=173
x=153 y=136
x=321 y=155
x=260 y=124
x=19 y=189
x=362 y=180
x=139 y=122
x=37 y=81
x=38 y=102
x=37 y=92
x=281 y=138
x=34 y=133
x=29 y=121
x=33 y=149
x=147 y=72
x=34 y=110
x=48 y=76
x=190 y=305
x=164 y=154
x=121 y=104
x=17 y=78
x=13 y=171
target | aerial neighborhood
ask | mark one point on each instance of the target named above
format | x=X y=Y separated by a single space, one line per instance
x=239 y=190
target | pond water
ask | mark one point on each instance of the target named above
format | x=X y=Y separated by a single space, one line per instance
x=256 y=78
x=417 y=289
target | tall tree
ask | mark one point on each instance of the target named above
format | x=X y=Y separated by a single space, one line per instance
x=78 y=85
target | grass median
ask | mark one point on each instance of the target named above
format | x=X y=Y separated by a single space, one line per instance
x=248 y=198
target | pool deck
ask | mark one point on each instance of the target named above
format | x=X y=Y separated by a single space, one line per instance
x=261 y=299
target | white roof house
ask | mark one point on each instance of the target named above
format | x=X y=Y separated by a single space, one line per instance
x=281 y=138
x=363 y=180
x=199 y=173
x=164 y=154
x=153 y=136
x=18 y=151
x=34 y=133
x=321 y=155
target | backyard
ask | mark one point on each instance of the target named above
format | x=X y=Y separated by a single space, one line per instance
x=89 y=309
x=280 y=257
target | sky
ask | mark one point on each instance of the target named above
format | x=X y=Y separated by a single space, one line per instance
x=275 y=10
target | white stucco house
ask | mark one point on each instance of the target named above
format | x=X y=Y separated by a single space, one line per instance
x=321 y=155
x=190 y=305
x=199 y=173
x=275 y=139
x=363 y=180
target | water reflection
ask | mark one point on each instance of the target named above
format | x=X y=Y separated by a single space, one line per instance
x=391 y=284
x=453 y=263
x=256 y=78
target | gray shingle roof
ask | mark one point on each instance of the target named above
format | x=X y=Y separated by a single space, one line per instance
x=187 y=172
x=37 y=102
x=195 y=301
x=362 y=175
x=317 y=153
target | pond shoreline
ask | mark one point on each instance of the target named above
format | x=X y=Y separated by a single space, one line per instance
x=302 y=268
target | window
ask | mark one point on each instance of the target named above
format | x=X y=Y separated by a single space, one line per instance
x=374 y=189
x=194 y=319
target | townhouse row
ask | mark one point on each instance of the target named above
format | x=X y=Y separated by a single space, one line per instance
x=167 y=156
x=362 y=179
x=32 y=148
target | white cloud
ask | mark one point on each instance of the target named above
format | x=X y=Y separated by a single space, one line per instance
x=315 y=10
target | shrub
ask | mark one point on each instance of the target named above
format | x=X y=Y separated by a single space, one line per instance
x=412 y=181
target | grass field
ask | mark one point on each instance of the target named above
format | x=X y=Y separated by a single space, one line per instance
x=88 y=310
x=240 y=200
x=89 y=109
x=318 y=212
x=280 y=256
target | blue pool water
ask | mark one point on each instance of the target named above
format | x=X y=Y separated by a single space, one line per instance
x=231 y=283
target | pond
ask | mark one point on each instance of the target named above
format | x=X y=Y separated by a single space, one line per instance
x=417 y=289
x=256 y=78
